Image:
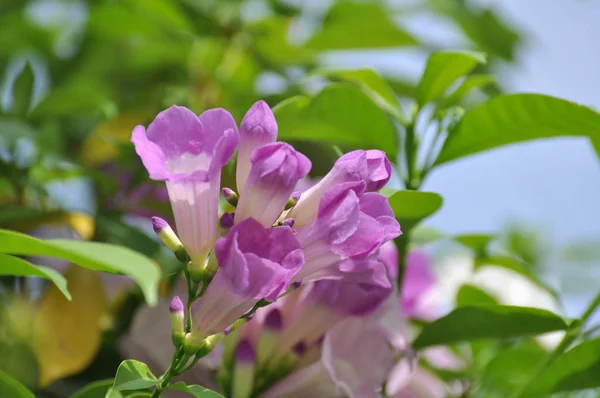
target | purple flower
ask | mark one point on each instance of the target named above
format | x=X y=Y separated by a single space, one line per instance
x=188 y=153
x=276 y=168
x=258 y=128
x=254 y=263
x=371 y=168
x=347 y=227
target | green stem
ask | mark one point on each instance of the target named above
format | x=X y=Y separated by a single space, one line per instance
x=168 y=375
x=571 y=335
x=402 y=244
x=411 y=155
x=190 y=366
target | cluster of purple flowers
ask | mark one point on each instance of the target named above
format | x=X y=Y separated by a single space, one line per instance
x=314 y=255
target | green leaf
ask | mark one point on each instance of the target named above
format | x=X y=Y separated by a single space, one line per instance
x=92 y=255
x=410 y=207
x=10 y=265
x=444 y=68
x=470 y=295
x=10 y=387
x=488 y=322
x=482 y=25
x=96 y=389
x=577 y=369
x=374 y=86
x=194 y=390
x=17 y=356
x=354 y=25
x=517 y=266
x=513 y=118
x=469 y=84
x=340 y=114
x=134 y=375
x=423 y=235
x=510 y=367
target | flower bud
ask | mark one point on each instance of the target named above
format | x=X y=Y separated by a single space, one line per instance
x=192 y=343
x=177 y=320
x=226 y=220
x=169 y=238
x=288 y=222
x=230 y=196
x=210 y=343
x=258 y=128
x=294 y=197
x=243 y=372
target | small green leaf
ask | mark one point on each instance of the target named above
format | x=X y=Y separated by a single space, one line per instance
x=340 y=114
x=374 y=86
x=134 y=375
x=577 y=369
x=470 y=83
x=194 y=390
x=96 y=389
x=92 y=255
x=476 y=242
x=470 y=295
x=12 y=388
x=354 y=25
x=513 y=118
x=10 y=265
x=488 y=322
x=410 y=207
x=444 y=68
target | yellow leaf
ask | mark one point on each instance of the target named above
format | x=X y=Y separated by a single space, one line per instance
x=101 y=145
x=67 y=333
x=82 y=223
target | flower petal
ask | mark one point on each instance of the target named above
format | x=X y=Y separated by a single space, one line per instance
x=215 y=122
x=176 y=131
x=152 y=156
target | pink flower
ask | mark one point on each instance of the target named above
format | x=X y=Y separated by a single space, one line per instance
x=188 y=152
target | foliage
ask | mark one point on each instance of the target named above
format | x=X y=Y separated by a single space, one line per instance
x=76 y=82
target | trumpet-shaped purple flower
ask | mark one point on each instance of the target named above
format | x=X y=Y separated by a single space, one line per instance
x=254 y=263
x=258 y=128
x=313 y=309
x=188 y=152
x=369 y=169
x=348 y=226
x=356 y=352
x=276 y=168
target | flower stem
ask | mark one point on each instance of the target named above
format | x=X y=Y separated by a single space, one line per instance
x=571 y=335
x=180 y=359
